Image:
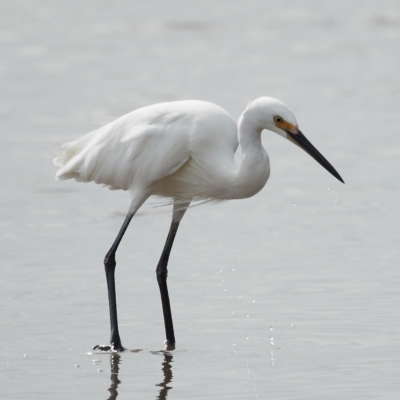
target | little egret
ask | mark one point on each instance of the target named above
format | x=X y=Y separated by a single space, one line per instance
x=183 y=151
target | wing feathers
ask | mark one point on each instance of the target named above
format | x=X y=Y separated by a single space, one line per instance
x=134 y=149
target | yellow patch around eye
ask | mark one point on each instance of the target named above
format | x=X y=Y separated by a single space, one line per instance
x=287 y=126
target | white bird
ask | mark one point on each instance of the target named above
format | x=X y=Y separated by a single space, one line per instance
x=183 y=151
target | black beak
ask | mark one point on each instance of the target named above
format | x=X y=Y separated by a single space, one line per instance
x=299 y=139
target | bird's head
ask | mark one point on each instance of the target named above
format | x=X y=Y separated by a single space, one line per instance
x=274 y=115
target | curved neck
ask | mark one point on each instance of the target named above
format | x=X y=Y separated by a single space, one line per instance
x=254 y=170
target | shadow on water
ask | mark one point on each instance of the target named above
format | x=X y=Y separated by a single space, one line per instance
x=115 y=361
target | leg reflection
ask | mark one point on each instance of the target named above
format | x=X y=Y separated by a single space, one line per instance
x=115 y=360
x=167 y=371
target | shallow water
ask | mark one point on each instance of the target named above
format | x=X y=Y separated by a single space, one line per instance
x=292 y=294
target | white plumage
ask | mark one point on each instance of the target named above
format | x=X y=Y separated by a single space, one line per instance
x=184 y=151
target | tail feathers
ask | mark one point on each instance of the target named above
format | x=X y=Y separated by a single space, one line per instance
x=62 y=176
x=65 y=158
x=66 y=152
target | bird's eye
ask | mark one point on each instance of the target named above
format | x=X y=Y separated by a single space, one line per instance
x=278 y=119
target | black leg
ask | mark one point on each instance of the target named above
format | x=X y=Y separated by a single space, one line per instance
x=109 y=265
x=162 y=273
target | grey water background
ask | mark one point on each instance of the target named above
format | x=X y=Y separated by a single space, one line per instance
x=292 y=294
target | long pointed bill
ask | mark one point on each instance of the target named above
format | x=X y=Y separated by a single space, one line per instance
x=299 y=139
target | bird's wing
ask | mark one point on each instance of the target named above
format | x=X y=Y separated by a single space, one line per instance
x=133 y=151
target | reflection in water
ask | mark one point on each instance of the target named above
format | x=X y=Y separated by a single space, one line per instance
x=167 y=371
x=115 y=360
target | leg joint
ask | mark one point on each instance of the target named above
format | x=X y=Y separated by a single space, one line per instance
x=162 y=274
x=109 y=261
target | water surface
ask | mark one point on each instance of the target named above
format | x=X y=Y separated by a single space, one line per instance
x=292 y=294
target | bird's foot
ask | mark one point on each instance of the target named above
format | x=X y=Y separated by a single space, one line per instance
x=109 y=348
x=169 y=345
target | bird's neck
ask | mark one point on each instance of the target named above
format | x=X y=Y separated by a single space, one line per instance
x=254 y=169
